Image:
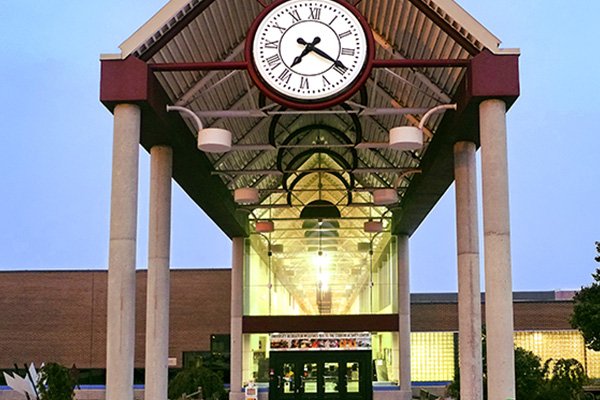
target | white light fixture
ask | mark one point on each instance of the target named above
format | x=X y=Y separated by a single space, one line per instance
x=373 y=226
x=411 y=137
x=245 y=195
x=383 y=197
x=264 y=226
x=210 y=140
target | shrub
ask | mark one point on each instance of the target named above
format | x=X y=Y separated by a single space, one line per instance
x=188 y=380
x=56 y=383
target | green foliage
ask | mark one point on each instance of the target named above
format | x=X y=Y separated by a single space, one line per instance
x=586 y=310
x=565 y=382
x=529 y=374
x=536 y=382
x=59 y=384
x=188 y=380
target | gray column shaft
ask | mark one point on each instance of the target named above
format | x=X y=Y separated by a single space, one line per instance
x=158 y=287
x=404 y=317
x=120 y=328
x=469 y=297
x=237 y=269
x=498 y=281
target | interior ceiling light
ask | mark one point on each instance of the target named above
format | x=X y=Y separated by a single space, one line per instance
x=245 y=196
x=411 y=137
x=373 y=226
x=210 y=140
x=383 y=197
x=264 y=226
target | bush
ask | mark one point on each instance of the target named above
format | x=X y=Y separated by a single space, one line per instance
x=564 y=381
x=188 y=380
x=56 y=383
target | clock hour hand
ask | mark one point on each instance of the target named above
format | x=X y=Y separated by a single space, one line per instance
x=309 y=47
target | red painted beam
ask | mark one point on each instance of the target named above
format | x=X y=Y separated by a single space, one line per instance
x=405 y=63
x=231 y=65
x=199 y=66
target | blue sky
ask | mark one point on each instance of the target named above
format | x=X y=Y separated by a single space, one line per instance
x=57 y=138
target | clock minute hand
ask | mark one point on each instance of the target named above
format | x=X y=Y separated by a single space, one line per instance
x=328 y=57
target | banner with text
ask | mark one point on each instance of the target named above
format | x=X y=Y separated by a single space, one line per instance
x=320 y=341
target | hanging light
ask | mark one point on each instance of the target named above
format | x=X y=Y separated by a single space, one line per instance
x=210 y=140
x=411 y=137
x=373 y=226
x=245 y=196
x=264 y=226
x=386 y=196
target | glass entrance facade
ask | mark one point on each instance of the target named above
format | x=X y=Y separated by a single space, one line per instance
x=281 y=278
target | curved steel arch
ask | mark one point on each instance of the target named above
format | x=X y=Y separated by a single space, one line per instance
x=303 y=175
x=338 y=133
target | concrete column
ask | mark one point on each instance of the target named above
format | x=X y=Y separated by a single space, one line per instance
x=120 y=326
x=469 y=297
x=498 y=281
x=237 y=311
x=404 y=317
x=157 y=297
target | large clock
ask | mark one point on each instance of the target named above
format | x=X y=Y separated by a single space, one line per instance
x=309 y=53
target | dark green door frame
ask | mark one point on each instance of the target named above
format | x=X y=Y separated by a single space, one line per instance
x=320 y=375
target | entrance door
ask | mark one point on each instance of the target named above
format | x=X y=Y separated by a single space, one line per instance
x=320 y=375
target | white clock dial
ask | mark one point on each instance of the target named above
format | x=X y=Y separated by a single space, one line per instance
x=309 y=49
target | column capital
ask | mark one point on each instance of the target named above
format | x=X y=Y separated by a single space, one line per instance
x=124 y=81
x=494 y=76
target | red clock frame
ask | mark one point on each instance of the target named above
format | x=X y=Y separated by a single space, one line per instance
x=312 y=104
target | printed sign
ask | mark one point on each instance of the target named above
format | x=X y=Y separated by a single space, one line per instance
x=320 y=341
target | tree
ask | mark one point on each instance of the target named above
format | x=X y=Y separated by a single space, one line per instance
x=56 y=383
x=586 y=310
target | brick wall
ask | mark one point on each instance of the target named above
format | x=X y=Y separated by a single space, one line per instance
x=61 y=315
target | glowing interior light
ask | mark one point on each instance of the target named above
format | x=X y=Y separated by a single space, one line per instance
x=324 y=280
x=321 y=261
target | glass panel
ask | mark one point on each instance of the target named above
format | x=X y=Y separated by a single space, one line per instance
x=289 y=385
x=309 y=377
x=352 y=374
x=432 y=356
x=313 y=275
x=331 y=377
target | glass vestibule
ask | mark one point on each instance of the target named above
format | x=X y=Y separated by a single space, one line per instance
x=354 y=277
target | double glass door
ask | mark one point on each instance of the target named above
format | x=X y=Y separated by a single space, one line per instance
x=320 y=375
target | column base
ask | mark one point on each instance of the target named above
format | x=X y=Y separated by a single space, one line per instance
x=236 y=395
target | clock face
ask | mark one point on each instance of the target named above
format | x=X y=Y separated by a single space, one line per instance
x=309 y=50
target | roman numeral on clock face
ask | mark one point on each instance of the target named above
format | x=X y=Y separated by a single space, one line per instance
x=285 y=76
x=281 y=28
x=315 y=13
x=347 y=52
x=344 y=34
x=304 y=82
x=295 y=15
x=273 y=44
x=274 y=61
x=340 y=69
